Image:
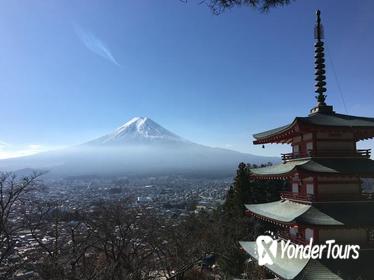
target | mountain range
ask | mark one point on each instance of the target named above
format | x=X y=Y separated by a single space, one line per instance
x=139 y=147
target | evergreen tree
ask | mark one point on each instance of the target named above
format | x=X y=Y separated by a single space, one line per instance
x=235 y=225
x=246 y=190
x=239 y=193
x=242 y=183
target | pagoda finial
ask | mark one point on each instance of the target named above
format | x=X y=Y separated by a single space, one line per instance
x=320 y=85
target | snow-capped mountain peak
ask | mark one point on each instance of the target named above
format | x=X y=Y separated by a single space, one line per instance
x=138 y=147
x=138 y=129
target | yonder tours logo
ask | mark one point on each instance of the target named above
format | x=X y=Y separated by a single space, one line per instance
x=267 y=250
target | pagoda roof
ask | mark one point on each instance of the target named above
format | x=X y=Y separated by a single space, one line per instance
x=312 y=269
x=320 y=120
x=283 y=211
x=321 y=214
x=329 y=166
x=287 y=268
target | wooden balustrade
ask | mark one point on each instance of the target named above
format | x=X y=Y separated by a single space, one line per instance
x=365 y=153
x=302 y=197
x=298 y=239
x=345 y=197
x=342 y=153
x=297 y=196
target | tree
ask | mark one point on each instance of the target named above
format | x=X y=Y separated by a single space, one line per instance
x=246 y=190
x=63 y=239
x=235 y=226
x=239 y=193
x=219 y=6
x=12 y=195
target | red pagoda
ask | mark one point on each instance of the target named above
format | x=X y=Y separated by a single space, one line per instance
x=325 y=171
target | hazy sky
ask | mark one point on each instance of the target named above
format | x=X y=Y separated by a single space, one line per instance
x=71 y=71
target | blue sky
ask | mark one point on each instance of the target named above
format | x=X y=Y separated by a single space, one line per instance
x=71 y=71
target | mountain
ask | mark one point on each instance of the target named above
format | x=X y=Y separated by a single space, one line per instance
x=139 y=147
x=139 y=130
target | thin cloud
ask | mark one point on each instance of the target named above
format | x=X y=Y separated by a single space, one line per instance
x=3 y=144
x=94 y=44
x=9 y=151
x=13 y=151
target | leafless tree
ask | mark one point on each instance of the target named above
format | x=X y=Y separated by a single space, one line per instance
x=64 y=242
x=120 y=242
x=12 y=196
x=219 y=6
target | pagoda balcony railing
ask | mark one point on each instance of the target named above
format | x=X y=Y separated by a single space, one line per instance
x=297 y=239
x=302 y=197
x=346 y=197
x=364 y=153
x=297 y=196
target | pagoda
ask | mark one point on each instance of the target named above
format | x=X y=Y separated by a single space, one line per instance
x=324 y=200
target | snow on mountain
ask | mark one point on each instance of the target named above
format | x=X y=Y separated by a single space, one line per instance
x=138 y=130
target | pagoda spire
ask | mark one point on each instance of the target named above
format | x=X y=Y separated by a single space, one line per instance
x=320 y=85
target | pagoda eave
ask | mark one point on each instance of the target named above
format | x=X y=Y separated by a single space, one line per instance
x=284 y=138
x=281 y=135
x=288 y=213
x=283 y=268
x=342 y=167
x=306 y=268
x=362 y=128
x=270 y=220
